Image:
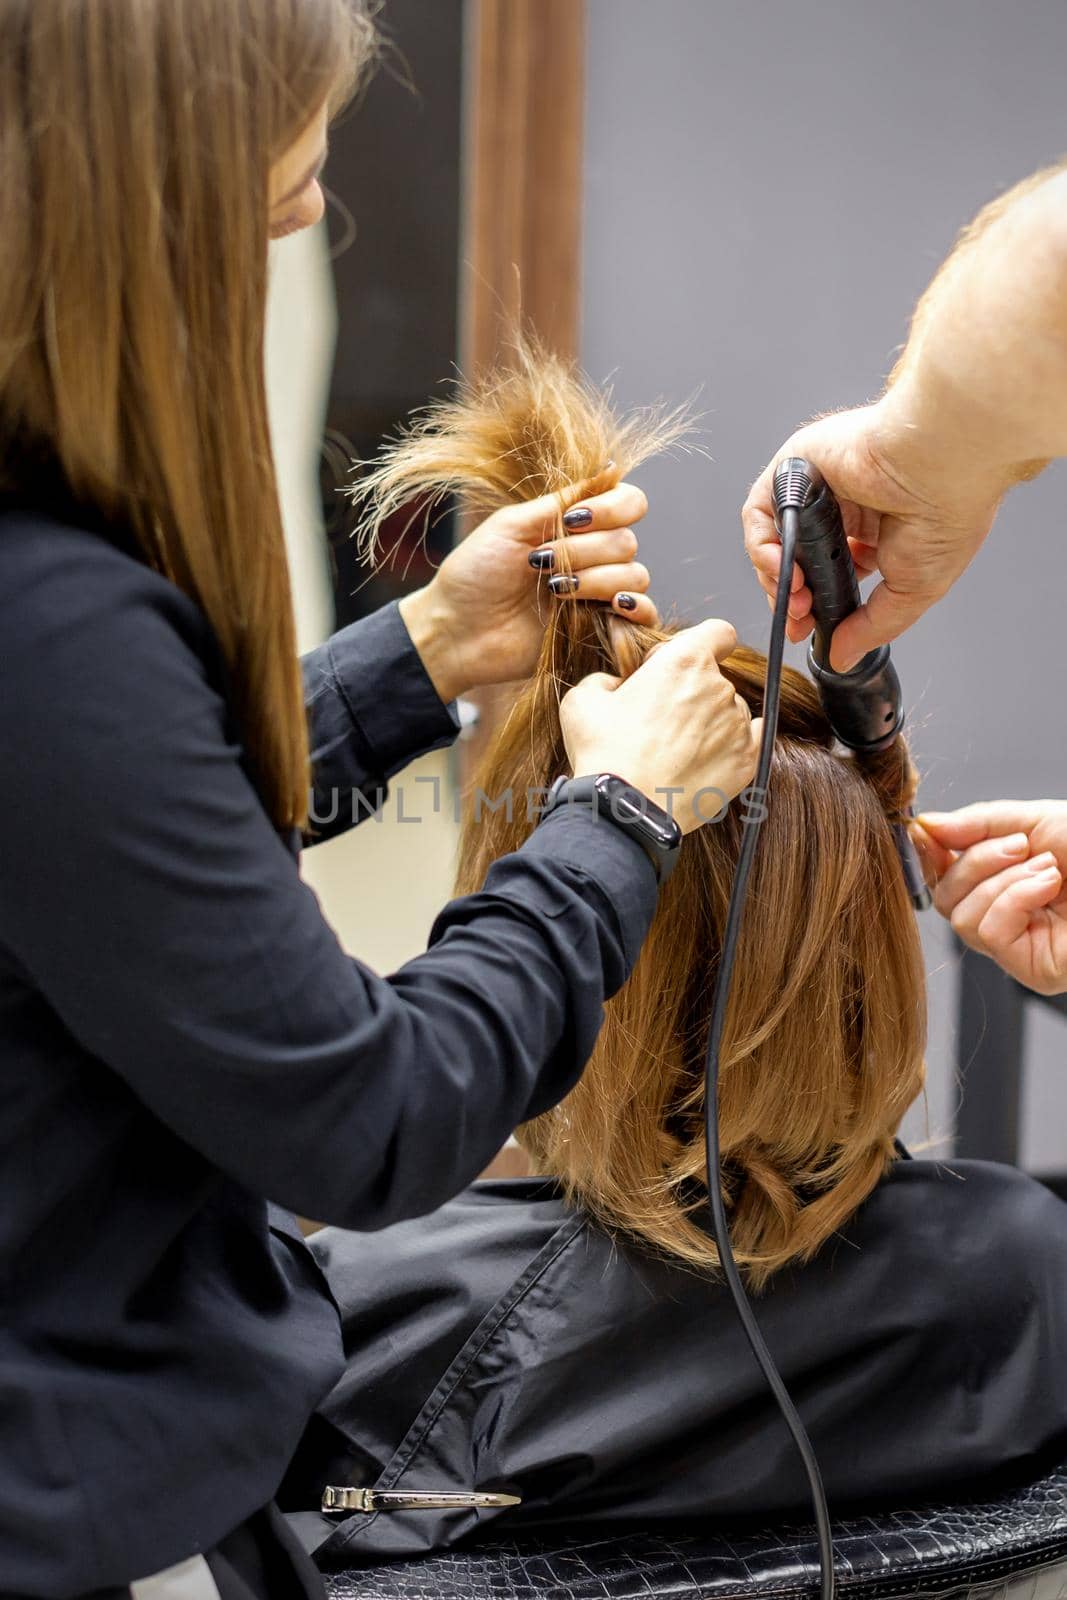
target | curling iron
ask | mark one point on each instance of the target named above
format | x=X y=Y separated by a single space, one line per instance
x=863 y=706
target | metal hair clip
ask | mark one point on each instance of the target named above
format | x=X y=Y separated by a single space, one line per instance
x=335 y=1498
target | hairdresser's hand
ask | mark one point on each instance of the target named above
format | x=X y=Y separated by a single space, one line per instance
x=675 y=729
x=482 y=618
x=1000 y=869
x=904 y=516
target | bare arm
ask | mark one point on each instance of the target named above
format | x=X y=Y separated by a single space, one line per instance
x=977 y=403
x=980 y=394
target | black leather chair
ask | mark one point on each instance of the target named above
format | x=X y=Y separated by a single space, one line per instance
x=1013 y=1547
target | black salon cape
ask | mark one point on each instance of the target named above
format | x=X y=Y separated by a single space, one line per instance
x=509 y=1343
x=182 y=1037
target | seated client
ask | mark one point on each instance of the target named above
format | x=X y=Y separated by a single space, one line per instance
x=568 y=1337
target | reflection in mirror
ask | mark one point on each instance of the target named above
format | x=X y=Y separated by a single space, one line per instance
x=363 y=330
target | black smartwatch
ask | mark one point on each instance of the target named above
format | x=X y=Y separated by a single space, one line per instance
x=620 y=803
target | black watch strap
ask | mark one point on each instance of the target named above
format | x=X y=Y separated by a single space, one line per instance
x=619 y=803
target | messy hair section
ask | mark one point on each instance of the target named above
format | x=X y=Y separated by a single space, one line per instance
x=534 y=427
x=822 y=1049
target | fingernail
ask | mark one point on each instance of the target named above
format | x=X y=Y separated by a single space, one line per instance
x=1041 y=863
x=542 y=560
x=608 y=465
x=566 y=583
x=1016 y=844
x=626 y=602
x=580 y=517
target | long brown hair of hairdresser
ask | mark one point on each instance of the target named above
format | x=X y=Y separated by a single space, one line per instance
x=181 y=1038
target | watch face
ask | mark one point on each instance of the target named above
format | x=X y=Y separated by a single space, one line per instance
x=630 y=805
x=627 y=804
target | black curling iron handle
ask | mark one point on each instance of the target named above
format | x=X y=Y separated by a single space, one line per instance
x=826 y=562
x=863 y=706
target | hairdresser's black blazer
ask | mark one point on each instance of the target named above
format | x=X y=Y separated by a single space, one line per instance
x=510 y=1343
x=182 y=1039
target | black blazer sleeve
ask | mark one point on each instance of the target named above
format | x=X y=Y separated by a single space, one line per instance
x=371 y=709
x=146 y=895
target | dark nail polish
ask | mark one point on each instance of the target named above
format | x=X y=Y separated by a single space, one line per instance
x=566 y=583
x=626 y=602
x=580 y=517
x=542 y=560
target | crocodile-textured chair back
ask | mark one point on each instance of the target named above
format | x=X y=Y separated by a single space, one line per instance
x=1011 y=1548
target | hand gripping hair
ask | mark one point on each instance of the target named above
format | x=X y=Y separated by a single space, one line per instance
x=822 y=1050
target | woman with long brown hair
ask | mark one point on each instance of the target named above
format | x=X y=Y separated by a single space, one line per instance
x=567 y=1338
x=181 y=1037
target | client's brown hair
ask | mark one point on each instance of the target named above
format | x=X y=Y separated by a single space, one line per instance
x=822 y=1050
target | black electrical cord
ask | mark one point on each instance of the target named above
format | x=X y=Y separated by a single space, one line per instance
x=720 y=1225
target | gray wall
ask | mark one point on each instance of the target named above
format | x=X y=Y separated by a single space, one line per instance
x=892 y=122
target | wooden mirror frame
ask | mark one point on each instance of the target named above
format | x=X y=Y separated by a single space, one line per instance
x=521 y=230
